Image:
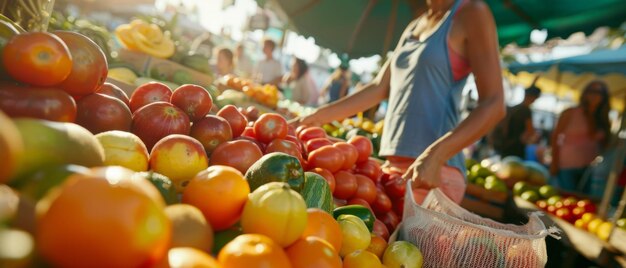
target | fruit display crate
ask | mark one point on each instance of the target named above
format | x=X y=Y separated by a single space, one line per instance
x=147 y=64
x=484 y=202
x=581 y=241
x=618 y=240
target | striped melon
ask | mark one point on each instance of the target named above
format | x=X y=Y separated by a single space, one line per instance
x=316 y=192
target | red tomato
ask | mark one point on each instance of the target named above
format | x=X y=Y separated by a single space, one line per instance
x=369 y=168
x=156 y=120
x=37 y=58
x=364 y=146
x=349 y=152
x=149 y=93
x=248 y=132
x=395 y=188
x=43 y=103
x=270 y=126
x=329 y=177
x=346 y=185
x=194 y=100
x=366 y=189
x=391 y=220
x=89 y=64
x=283 y=146
x=312 y=133
x=239 y=154
x=115 y=92
x=380 y=229
x=252 y=113
x=382 y=204
x=386 y=177
x=314 y=144
x=296 y=141
x=236 y=120
x=299 y=129
x=99 y=113
x=327 y=157
x=211 y=131
x=291 y=130
x=397 y=206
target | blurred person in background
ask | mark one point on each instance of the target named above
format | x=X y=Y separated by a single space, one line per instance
x=224 y=63
x=243 y=66
x=423 y=133
x=300 y=83
x=581 y=133
x=268 y=70
x=337 y=85
x=516 y=131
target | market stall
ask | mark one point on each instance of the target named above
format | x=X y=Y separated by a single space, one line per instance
x=118 y=148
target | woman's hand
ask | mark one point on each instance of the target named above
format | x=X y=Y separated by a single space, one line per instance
x=425 y=172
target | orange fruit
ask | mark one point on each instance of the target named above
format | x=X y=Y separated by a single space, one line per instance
x=313 y=252
x=276 y=211
x=377 y=246
x=251 y=251
x=220 y=192
x=179 y=157
x=321 y=224
x=191 y=257
x=361 y=259
x=103 y=219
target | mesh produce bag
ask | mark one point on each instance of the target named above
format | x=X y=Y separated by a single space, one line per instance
x=450 y=236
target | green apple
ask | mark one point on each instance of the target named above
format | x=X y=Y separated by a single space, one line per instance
x=402 y=254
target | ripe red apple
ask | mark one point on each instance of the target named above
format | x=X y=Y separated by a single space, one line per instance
x=551 y=209
x=237 y=121
x=391 y=220
x=157 y=120
x=542 y=204
x=99 y=113
x=211 y=131
x=570 y=202
x=194 y=100
x=382 y=204
x=380 y=229
x=578 y=212
x=587 y=205
x=398 y=206
x=564 y=214
x=149 y=93
x=115 y=92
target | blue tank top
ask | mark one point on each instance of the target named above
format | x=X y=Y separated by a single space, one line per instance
x=424 y=98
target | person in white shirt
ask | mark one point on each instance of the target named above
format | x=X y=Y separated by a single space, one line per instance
x=244 y=64
x=303 y=89
x=268 y=70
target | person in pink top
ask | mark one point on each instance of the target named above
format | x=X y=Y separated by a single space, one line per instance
x=580 y=134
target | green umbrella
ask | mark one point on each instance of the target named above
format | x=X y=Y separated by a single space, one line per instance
x=367 y=27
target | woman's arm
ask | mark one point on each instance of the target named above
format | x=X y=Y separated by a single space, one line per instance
x=481 y=45
x=344 y=89
x=370 y=95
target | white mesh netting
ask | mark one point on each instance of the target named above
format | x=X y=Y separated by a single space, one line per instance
x=450 y=236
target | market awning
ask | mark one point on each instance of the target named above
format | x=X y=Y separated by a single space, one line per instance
x=598 y=62
x=367 y=27
x=568 y=76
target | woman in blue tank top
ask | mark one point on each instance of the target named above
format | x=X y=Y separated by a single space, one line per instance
x=423 y=137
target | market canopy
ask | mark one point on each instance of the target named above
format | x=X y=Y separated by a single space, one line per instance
x=568 y=76
x=367 y=27
x=598 y=62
